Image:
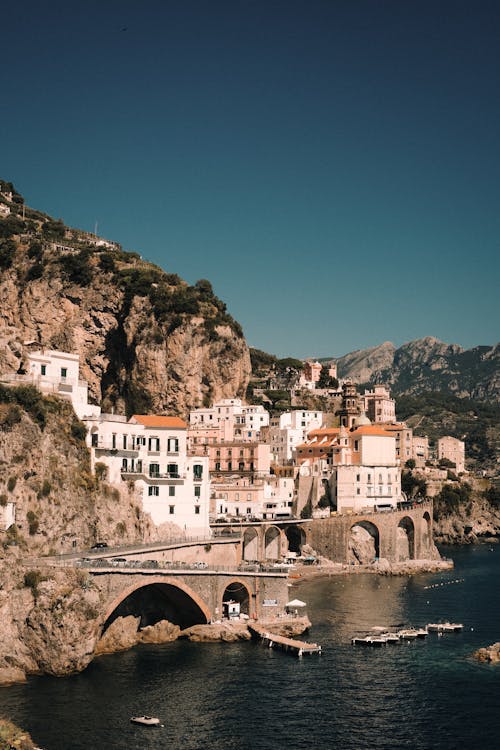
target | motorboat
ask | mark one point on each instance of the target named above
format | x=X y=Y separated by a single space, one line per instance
x=390 y=637
x=444 y=627
x=147 y=721
x=369 y=640
x=408 y=634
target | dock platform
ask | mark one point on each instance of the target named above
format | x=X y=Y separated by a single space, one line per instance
x=286 y=644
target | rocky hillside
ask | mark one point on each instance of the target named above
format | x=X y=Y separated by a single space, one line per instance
x=147 y=341
x=427 y=365
x=45 y=471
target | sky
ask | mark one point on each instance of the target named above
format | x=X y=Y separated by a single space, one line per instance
x=331 y=166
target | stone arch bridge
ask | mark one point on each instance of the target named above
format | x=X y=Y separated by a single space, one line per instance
x=186 y=597
x=398 y=535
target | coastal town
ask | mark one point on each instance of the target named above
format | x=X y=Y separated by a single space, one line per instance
x=237 y=463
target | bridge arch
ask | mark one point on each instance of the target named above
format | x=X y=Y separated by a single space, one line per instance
x=251 y=544
x=296 y=537
x=405 y=540
x=158 y=598
x=237 y=591
x=363 y=544
x=272 y=543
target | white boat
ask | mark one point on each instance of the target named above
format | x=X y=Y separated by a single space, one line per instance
x=369 y=640
x=408 y=634
x=147 y=721
x=444 y=627
x=390 y=637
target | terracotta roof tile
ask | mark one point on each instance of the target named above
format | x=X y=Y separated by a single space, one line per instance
x=150 y=420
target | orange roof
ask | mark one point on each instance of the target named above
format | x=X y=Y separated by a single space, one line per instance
x=371 y=430
x=149 y=420
x=324 y=431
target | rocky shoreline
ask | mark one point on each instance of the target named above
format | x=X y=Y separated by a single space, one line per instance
x=490 y=654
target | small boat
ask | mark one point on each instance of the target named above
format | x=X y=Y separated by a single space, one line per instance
x=146 y=721
x=369 y=640
x=408 y=634
x=390 y=637
x=444 y=627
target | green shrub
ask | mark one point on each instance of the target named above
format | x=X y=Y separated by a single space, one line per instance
x=3 y=500
x=107 y=263
x=33 y=522
x=11 y=484
x=54 y=229
x=78 y=430
x=35 y=250
x=7 y=252
x=9 y=416
x=101 y=470
x=77 y=267
x=35 y=272
x=10 y=226
x=32 y=580
x=46 y=488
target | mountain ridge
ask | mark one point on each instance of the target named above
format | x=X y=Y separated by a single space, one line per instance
x=427 y=364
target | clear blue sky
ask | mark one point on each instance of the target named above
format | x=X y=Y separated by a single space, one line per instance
x=332 y=166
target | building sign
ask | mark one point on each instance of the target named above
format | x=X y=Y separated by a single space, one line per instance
x=270 y=602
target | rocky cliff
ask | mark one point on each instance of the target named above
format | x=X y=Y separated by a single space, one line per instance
x=147 y=341
x=427 y=364
x=45 y=471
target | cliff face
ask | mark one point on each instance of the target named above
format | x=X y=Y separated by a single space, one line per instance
x=146 y=340
x=428 y=365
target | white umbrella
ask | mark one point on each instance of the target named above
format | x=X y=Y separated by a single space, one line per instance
x=295 y=603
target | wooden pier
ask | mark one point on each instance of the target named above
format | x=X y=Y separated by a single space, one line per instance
x=299 y=648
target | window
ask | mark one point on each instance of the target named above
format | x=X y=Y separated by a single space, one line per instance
x=153 y=444
x=124 y=442
x=43 y=369
x=113 y=441
x=241 y=466
x=154 y=470
x=358 y=477
x=173 y=445
x=124 y=464
x=171 y=509
x=173 y=470
x=154 y=491
x=95 y=440
x=198 y=471
x=197 y=491
x=197 y=509
x=64 y=372
x=249 y=496
x=249 y=511
x=356 y=445
x=358 y=491
x=369 y=479
x=171 y=491
x=229 y=466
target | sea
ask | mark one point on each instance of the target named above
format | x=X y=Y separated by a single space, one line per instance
x=425 y=694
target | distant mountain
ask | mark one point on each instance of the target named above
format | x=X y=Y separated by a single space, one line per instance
x=425 y=365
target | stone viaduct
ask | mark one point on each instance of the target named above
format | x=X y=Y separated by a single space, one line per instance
x=398 y=536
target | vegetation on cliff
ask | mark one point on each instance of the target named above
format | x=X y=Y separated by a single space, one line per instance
x=147 y=339
x=13 y=738
x=48 y=476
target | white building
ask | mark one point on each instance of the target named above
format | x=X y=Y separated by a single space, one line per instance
x=234 y=419
x=378 y=405
x=54 y=372
x=289 y=430
x=7 y=515
x=454 y=450
x=151 y=451
x=365 y=472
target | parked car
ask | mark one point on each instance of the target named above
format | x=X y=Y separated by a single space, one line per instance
x=118 y=561
x=99 y=545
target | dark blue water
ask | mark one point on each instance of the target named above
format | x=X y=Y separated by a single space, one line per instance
x=422 y=695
